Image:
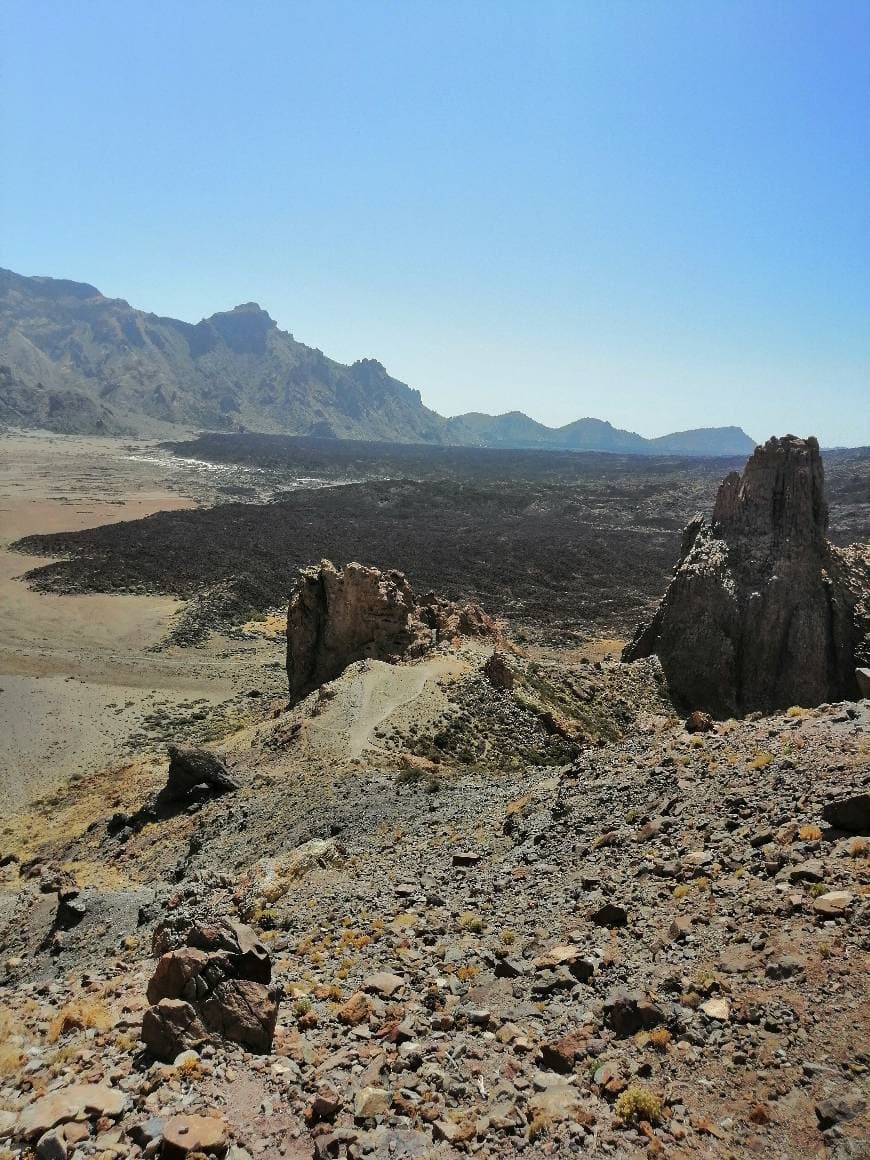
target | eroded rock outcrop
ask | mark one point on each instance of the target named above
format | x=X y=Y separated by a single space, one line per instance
x=337 y=616
x=762 y=612
x=214 y=986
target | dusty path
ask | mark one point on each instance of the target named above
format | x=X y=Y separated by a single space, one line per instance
x=369 y=693
x=76 y=676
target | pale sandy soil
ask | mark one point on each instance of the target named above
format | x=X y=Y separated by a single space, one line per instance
x=75 y=674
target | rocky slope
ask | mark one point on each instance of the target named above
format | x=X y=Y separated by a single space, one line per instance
x=72 y=360
x=78 y=361
x=762 y=612
x=658 y=947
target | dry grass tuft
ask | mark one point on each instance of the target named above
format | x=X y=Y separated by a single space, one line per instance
x=809 y=833
x=79 y=1015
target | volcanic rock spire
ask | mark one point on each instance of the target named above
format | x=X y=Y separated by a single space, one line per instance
x=760 y=613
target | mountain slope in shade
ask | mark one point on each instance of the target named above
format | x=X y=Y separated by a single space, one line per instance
x=63 y=343
x=72 y=360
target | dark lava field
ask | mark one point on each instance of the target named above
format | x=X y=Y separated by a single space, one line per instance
x=562 y=544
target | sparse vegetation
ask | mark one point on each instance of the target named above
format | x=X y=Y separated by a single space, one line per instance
x=638 y=1103
x=469 y=921
x=78 y=1015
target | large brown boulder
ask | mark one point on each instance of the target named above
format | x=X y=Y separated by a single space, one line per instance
x=338 y=616
x=214 y=986
x=762 y=612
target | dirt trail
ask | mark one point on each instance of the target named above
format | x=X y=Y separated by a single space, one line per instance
x=369 y=693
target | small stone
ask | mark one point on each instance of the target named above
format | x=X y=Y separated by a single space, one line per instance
x=465 y=858
x=839 y=1110
x=811 y=871
x=453 y=1133
x=609 y=915
x=698 y=722
x=630 y=1011
x=370 y=1102
x=560 y=1103
x=383 y=983
x=833 y=904
x=355 y=1010
x=718 y=1009
x=680 y=928
x=571 y=957
x=185 y=1134
x=74 y=1133
x=560 y=1054
x=849 y=813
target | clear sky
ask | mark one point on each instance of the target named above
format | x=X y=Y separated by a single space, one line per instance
x=654 y=213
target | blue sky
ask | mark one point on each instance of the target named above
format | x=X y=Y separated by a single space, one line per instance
x=654 y=213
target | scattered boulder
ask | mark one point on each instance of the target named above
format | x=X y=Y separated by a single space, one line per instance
x=78 y=1101
x=370 y=1102
x=195 y=771
x=336 y=617
x=609 y=915
x=214 y=986
x=850 y=813
x=698 y=722
x=839 y=1110
x=559 y=1104
x=498 y=672
x=761 y=612
x=184 y=1135
x=834 y=904
x=628 y=1012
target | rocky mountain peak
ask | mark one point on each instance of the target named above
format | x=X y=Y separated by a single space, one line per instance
x=781 y=495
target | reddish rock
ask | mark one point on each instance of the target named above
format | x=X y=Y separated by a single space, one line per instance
x=77 y=1101
x=336 y=617
x=498 y=672
x=561 y=1053
x=355 y=1010
x=243 y=1012
x=184 y=1135
x=170 y=1027
x=173 y=972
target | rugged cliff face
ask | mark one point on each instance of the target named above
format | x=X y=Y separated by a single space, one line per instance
x=762 y=611
x=336 y=617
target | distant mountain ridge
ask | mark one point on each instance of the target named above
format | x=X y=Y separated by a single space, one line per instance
x=72 y=360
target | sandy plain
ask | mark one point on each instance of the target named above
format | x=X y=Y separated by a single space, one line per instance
x=77 y=677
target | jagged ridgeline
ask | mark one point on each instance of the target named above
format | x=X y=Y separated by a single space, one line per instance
x=72 y=360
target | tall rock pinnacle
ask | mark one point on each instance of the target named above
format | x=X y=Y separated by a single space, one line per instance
x=761 y=612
